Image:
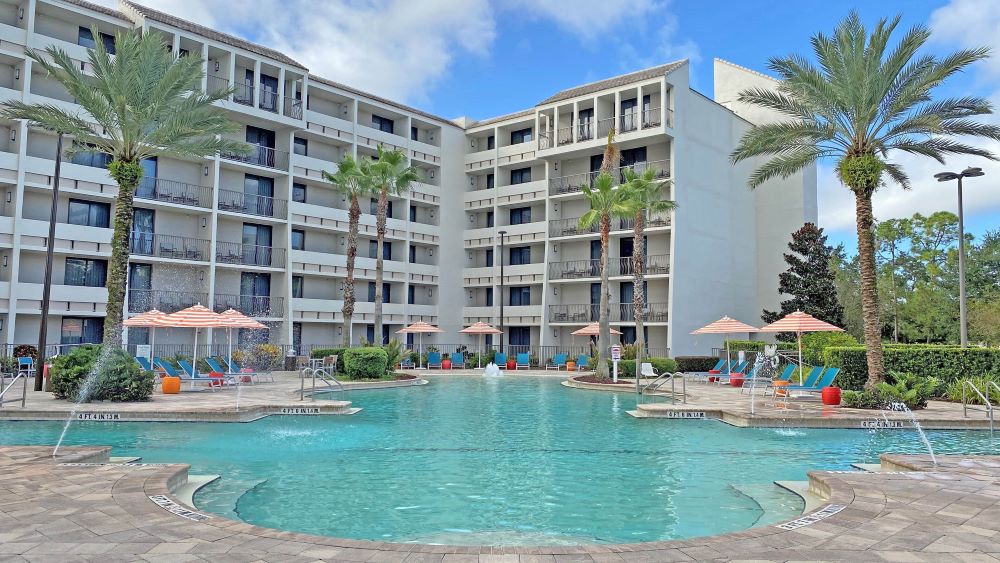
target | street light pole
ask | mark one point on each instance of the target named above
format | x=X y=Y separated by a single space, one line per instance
x=963 y=310
x=43 y=325
x=502 y=331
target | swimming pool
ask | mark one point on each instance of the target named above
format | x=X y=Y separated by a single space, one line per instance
x=514 y=461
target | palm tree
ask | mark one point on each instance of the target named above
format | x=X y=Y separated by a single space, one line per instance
x=862 y=102
x=351 y=181
x=141 y=103
x=606 y=201
x=389 y=176
x=647 y=197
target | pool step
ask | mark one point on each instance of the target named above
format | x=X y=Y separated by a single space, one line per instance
x=778 y=503
x=185 y=493
x=124 y=459
x=869 y=467
x=801 y=488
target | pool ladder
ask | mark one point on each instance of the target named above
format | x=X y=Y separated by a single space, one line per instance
x=314 y=374
x=984 y=397
x=653 y=388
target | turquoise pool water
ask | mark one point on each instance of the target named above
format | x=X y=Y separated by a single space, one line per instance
x=499 y=461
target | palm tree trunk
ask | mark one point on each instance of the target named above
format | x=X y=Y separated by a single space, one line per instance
x=604 y=337
x=354 y=216
x=383 y=204
x=127 y=175
x=638 y=291
x=869 y=288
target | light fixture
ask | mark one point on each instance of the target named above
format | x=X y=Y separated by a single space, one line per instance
x=432 y=174
x=5 y=261
x=206 y=170
x=204 y=222
x=17 y=73
x=430 y=252
x=555 y=290
x=201 y=276
x=340 y=330
x=430 y=292
x=10 y=195
x=216 y=65
x=13 y=135
x=20 y=13
x=555 y=166
x=555 y=333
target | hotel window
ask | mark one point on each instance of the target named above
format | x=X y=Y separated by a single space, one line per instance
x=520 y=215
x=297 y=286
x=85 y=38
x=299 y=192
x=520 y=255
x=489 y=218
x=301 y=146
x=298 y=239
x=82 y=330
x=491 y=143
x=489 y=258
x=489 y=296
x=413 y=133
x=386 y=293
x=373 y=250
x=411 y=295
x=520 y=176
x=382 y=123
x=373 y=208
x=85 y=272
x=520 y=136
x=413 y=213
x=490 y=182
x=519 y=336
x=520 y=295
x=93 y=158
x=89 y=213
x=413 y=254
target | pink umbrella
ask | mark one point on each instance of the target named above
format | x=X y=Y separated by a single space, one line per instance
x=726 y=326
x=238 y=320
x=146 y=320
x=196 y=317
x=481 y=328
x=799 y=322
x=419 y=328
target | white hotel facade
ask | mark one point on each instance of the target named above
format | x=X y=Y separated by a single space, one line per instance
x=267 y=235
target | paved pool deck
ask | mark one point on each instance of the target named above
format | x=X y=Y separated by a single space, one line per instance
x=79 y=507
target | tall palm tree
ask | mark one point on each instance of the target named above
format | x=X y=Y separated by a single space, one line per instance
x=390 y=176
x=864 y=101
x=140 y=103
x=351 y=181
x=647 y=197
x=607 y=201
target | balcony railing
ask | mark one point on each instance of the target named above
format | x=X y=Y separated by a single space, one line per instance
x=579 y=269
x=251 y=305
x=142 y=300
x=575 y=182
x=544 y=140
x=251 y=204
x=268 y=100
x=217 y=84
x=293 y=108
x=249 y=254
x=261 y=156
x=604 y=126
x=169 y=246
x=172 y=191
x=629 y=121
x=243 y=94
x=571 y=227
x=619 y=313
x=564 y=135
x=651 y=118
x=585 y=130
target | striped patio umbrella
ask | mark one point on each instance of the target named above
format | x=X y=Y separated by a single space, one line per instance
x=146 y=320
x=238 y=320
x=196 y=317
x=593 y=329
x=799 y=322
x=481 y=328
x=419 y=328
x=726 y=326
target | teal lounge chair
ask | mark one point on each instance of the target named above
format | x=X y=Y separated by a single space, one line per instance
x=433 y=360
x=457 y=360
x=718 y=367
x=144 y=363
x=234 y=367
x=166 y=367
x=739 y=370
x=406 y=363
x=500 y=359
x=523 y=361
x=216 y=366
x=824 y=380
x=583 y=363
x=811 y=377
x=721 y=366
x=558 y=362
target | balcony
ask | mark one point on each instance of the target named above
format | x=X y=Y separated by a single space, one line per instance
x=142 y=300
x=250 y=204
x=169 y=247
x=172 y=191
x=574 y=182
x=580 y=269
x=251 y=305
x=635 y=120
x=571 y=227
x=293 y=108
x=619 y=313
x=261 y=156
x=249 y=255
x=216 y=84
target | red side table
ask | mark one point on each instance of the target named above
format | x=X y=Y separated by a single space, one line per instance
x=736 y=380
x=831 y=396
x=511 y=364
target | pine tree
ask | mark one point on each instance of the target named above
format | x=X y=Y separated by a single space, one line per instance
x=809 y=280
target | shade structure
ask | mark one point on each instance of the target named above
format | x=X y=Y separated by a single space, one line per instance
x=196 y=317
x=419 y=328
x=238 y=320
x=146 y=320
x=799 y=322
x=593 y=329
x=727 y=326
x=481 y=328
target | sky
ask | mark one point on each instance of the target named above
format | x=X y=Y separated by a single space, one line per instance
x=482 y=58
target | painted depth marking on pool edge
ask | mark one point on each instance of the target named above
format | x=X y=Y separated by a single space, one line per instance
x=683 y=414
x=170 y=506
x=104 y=416
x=826 y=512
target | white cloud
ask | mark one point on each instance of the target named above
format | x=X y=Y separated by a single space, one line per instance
x=588 y=19
x=969 y=24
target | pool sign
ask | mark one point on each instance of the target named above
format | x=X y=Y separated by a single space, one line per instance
x=616 y=355
x=103 y=416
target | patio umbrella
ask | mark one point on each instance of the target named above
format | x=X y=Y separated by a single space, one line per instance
x=419 y=328
x=593 y=329
x=196 y=317
x=726 y=326
x=481 y=328
x=799 y=322
x=146 y=320
x=238 y=320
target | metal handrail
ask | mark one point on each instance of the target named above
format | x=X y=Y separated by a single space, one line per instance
x=654 y=386
x=967 y=384
x=323 y=376
x=4 y=390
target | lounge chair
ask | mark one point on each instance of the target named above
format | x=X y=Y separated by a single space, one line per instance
x=737 y=371
x=523 y=361
x=721 y=366
x=216 y=366
x=185 y=375
x=718 y=366
x=811 y=377
x=825 y=380
x=583 y=363
x=144 y=363
x=785 y=375
x=234 y=367
x=558 y=362
x=457 y=360
x=406 y=363
x=500 y=359
x=26 y=366
x=433 y=360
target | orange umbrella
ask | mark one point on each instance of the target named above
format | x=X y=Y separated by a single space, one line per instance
x=146 y=320
x=196 y=317
x=419 y=328
x=726 y=326
x=593 y=329
x=481 y=328
x=799 y=322
x=238 y=320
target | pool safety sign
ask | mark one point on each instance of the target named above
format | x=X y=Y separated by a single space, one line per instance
x=616 y=356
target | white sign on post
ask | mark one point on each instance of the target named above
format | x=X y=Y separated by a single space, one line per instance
x=616 y=355
x=144 y=351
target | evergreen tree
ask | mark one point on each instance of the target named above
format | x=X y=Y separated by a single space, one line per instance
x=809 y=280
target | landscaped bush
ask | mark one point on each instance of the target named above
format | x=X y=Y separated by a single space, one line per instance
x=119 y=378
x=26 y=351
x=663 y=365
x=947 y=363
x=695 y=363
x=744 y=345
x=626 y=368
x=365 y=362
x=982 y=382
x=815 y=343
x=324 y=352
x=912 y=390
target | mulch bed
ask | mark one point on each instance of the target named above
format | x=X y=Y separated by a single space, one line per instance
x=594 y=379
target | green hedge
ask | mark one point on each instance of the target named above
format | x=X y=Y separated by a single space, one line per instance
x=626 y=368
x=947 y=363
x=365 y=363
x=744 y=346
x=695 y=363
x=120 y=378
x=324 y=352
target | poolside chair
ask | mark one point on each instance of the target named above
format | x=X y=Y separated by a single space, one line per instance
x=786 y=375
x=824 y=380
x=235 y=368
x=406 y=363
x=26 y=366
x=433 y=360
x=457 y=360
x=558 y=362
x=722 y=366
x=583 y=363
x=185 y=375
x=737 y=371
x=811 y=377
x=523 y=361
x=718 y=366
x=143 y=362
x=216 y=366
x=500 y=359
x=166 y=367
x=646 y=370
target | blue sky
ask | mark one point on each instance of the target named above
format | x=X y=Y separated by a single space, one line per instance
x=483 y=58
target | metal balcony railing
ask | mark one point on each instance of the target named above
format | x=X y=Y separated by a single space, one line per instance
x=293 y=108
x=251 y=204
x=574 y=182
x=585 y=130
x=544 y=140
x=261 y=156
x=564 y=135
x=651 y=118
x=172 y=191
x=249 y=254
x=243 y=94
x=216 y=84
x=142 y=300
x=604 y=126
x=618 y=313
x=629 y=121
x=574 y=269
x=168 y=246
x=579 y=269
x=268 y=100
x=571 y=227
x=251 y=305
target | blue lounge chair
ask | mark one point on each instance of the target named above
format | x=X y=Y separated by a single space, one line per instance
x=235 y=368
x=786 y=375
x=217 y=367
x=166 y=367
x=457 y=360
x=406 y=363
x=26 y=365
x=811 y=377
x=433 y=360
x=523 y=361
x=739 y=370
x=558 y=362
x=583 y=363
x=718 y=366
x=824 y=380
x=721 y=366
x=500 y=359
x=144 y=363
x=185 y=375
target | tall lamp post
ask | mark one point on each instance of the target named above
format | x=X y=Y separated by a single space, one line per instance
x=502 y=331
x=963 y=310
x=47 y=285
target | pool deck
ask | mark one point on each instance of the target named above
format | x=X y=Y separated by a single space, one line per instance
x=79 y=507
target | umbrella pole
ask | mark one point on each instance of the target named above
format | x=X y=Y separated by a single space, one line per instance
x=152 y=342
x=194 y=361
x=799 y=337
x=229 y=337
x=420 y=349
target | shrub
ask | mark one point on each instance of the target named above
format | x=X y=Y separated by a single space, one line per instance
x=695 y=363
x=664 y=365
x=393 y=353
x=954 y=390
x=120 y=378
x=26 y=351
x=324 y=352
x=626 y=368
x=947 y=363
x=365 y=362
x=815 y=343
x=70 y=370
x=264 y=357
x=744 y=346
x=907 y=388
